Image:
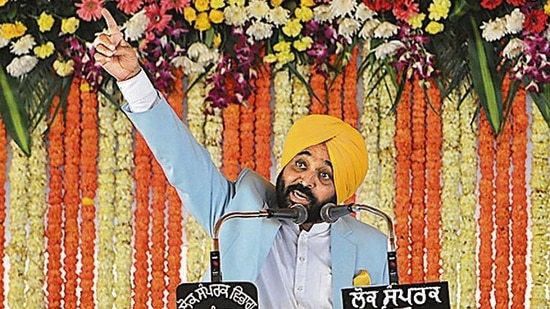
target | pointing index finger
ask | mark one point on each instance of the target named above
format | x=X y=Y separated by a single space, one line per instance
x=114 y=30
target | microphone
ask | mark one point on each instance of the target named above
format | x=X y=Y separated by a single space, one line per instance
x=297 y=213
x=331 y=212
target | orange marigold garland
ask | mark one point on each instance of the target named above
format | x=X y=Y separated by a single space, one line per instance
x=247 y=132
x=486 y=153
x=158 y=183
x=175 y=216
x=142 y=159
x=3 y=162
x=434 y=138
x=88 y=160
x=350 y=111
x=231 y=139
x=263 y=123
x=335 y=96
x=403 y=148
x=71 y=199
x=418 y=182
x=54 y=217
x=319 y=87
x=519 y=216
x=502 y=213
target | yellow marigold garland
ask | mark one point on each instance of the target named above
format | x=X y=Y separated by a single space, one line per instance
x=450 y=213
x=370 y=126
x=36 y=207
x=433 y=184
x=18 y=175
x=54 y=215
x=282 y=113
x=3 y=161
x=300 y=95
x=106 y=203
x=519 y=215
x=540 y=186
x=468 y=203
x=124 y=196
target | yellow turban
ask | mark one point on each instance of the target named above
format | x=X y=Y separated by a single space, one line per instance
x=346 y=148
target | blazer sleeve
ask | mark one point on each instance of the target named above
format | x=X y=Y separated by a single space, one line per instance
x=187 y=164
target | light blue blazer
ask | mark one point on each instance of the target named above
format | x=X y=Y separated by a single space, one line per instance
x=245 y=243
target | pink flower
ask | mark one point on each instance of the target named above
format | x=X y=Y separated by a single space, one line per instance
x=404 y=9
x=177 y=5
x=89 y=9
x=129 y=6
x=158 y=19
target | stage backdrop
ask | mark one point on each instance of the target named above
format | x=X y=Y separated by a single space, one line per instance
x=458 y=154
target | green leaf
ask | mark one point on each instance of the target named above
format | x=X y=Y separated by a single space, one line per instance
x=483 y=70
x=14 y=115
x=542 y=100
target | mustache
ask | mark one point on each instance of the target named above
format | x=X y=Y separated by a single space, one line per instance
x=302 y=189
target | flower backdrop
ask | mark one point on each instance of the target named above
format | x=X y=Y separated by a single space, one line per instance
x=91 y=222
x=43 y=43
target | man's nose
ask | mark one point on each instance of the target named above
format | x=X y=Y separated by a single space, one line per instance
x=309 y=179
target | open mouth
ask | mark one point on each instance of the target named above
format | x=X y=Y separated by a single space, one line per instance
x=299 y=197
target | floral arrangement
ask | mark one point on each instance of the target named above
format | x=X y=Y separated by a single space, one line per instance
x=441 y=42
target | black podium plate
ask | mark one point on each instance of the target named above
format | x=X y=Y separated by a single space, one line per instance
x=217 y=295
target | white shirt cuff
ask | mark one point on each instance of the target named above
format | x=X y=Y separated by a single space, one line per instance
x=139 y=92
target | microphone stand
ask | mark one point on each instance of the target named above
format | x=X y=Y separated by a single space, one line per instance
x=215 y=262
x=392 y=257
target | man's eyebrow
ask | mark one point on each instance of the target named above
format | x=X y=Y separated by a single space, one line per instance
x=307 y=153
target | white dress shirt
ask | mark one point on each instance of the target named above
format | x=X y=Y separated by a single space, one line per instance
x=297 y=272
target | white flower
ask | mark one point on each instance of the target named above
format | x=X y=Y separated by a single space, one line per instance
x=20 y=66
x=514 y=21
x=387 y=49
x=23 y=45
x=135 y=26
x=279 y=16
x=235 y=16
x=188 y=66
x=348 y=27
x=196 y=49
x=323 y=13
x=493 y=30
x=211 y=56
x=258 y=9
x=514 y=48
x=363 y=12
x=259 y=30
x=342 y=7
x=4 y=42
x=385 y=30
x=367 y=32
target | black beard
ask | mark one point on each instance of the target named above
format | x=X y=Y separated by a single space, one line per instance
x=314 y=207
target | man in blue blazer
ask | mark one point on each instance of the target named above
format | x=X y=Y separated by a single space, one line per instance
x=324 y=161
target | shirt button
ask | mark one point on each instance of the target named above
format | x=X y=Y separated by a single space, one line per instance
x=300 y=288
x=301 y=259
